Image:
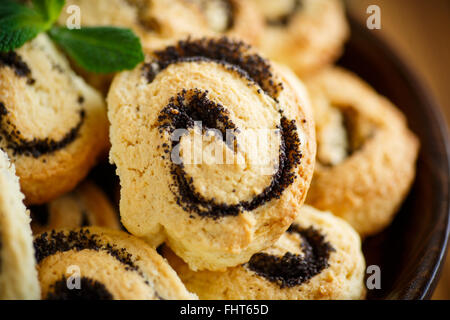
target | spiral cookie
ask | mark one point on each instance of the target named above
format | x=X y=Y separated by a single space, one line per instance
x=235 y=193
x=304 y=34
x=154 y=21
x=237 y=18
x=366 y=153
x=149 y=19
x=86 y=206
x=18 y=277
x=52 y=125
x=319 y=257
x=107 y=264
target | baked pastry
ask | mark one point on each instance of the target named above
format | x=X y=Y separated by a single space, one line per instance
x=18 y=276
x=304 y=34
x=319 y=257
x=218 y=201
x=52 y=124
x=151 y=20
x=154 y=21
x=234 y=18
x=85 y=206
x=366 y=153
x=107 y=264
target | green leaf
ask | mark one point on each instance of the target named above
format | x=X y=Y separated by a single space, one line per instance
x=49 y=9
x=8 y=7
x=18 y=24
x=100 y=49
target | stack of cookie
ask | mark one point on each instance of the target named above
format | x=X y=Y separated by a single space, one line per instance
x=238 y=180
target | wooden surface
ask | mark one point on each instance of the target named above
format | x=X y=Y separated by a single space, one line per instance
x=420 y=32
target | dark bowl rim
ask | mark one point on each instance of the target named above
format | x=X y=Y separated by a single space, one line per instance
x=425 y=97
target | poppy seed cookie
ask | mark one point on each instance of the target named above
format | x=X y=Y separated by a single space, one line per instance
x=304 y=34
x=108 y=265
x=214 y=213
x=234 y=18
x=366 y=153
x=52 y=125
x=85 y=206
x=318 y=258
x=18 y=276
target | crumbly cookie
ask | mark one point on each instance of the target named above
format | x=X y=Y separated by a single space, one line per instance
x=318 y=258
x=149 y=19
x=235 y=18
x=107 y=264
x=85 y=206
x=215 y=211
x=18 y=276
x=154 y=21
x=53 y=125
x=304 y=34
x=366 y=153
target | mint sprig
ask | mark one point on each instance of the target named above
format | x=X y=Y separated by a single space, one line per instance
x=96 y=49
x=49 y=9
x=18 y=24
x=100 y=49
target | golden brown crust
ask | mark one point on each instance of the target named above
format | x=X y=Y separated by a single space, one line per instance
x=342 y=279
x=136 y=101
x=87 y=205
x=235 y=18
x=308 y=38
x=18 y=276
x=368 y=186
x=110 y=264
x=149 y=19
x=154 y=21
x=54 y=126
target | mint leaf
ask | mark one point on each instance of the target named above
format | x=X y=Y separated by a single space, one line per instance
x=8 y=7
x=100 y=49
x=18 y=24
x=49 y=9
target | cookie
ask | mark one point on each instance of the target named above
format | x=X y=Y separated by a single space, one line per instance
x=234 y=18
x=154 y=21
x=366 y=159
x=52 y=124
x=85 y=206
x=18 y=276
x=214 y=147
x=319 y=257
x=99 y=264
x=304 y=34
x=149 y=19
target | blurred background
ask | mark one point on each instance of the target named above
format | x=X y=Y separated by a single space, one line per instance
x=420 y=33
